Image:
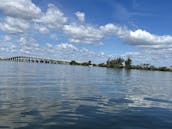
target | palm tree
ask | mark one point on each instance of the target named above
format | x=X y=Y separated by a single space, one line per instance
x=128 y=63
x=89 y=62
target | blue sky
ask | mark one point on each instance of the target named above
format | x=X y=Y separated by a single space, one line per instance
x=85 y=30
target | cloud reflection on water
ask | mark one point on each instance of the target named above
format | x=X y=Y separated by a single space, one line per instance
x=51 y=96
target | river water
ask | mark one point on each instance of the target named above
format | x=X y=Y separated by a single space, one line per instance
x=47 y=96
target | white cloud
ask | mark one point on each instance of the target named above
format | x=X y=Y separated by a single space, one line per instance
x=49 y=45
x=60 y=48
x=27 y=41
x=140 y=38
x=42 y=29
x=91 y=35
x=8 y=49
x=114 y=30
x=20 y=8
x=53 y=17
x=6 y=38
x=70 y=52
x=143 y=37
x=14 y=25
x=83 y=34
x=3 y=49
x=130 y=54
x=80 y=16
x=27 y=45
x=66 y=46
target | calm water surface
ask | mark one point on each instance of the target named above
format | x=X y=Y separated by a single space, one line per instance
x=45 y=96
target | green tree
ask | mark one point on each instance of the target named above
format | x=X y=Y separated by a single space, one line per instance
x=108 y=61
x=115 y=63
x=102 y=65
x=128 y=63
x=73 y=62
x=89 y=62
x=163 y=69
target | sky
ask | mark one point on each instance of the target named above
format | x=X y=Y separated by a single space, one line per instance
x=85 y=30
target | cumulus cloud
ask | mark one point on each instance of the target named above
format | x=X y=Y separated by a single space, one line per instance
x=8 y=49
x=42 y=29
x=49 y=45
x=114 y=30
x=69 y=52
x=131 y=54
x=83 y=34
x=140 y=38
x=27 y=41
x=6 y=38
x=66 y=46
x=29 y=46
x=53 y=18
x=14 y=25
x=25 y=9
x=80 y=16
x=62 y=48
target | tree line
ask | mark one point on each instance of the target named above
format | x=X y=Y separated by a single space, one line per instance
x=122 y=63
x=117 y=63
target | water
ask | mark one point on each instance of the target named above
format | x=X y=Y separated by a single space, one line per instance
x=45 y=96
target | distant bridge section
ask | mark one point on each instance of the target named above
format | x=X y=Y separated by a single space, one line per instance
x=34 y=60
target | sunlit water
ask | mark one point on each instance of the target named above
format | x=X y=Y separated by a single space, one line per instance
x=46 y=96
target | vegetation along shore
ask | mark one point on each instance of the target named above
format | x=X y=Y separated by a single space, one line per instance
x=119 y=63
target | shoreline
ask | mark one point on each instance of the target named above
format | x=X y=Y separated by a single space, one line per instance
x=145 y=67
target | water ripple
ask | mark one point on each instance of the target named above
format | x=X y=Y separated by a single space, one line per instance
x=36 y=96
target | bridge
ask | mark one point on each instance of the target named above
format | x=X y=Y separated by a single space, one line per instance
x=34 y=60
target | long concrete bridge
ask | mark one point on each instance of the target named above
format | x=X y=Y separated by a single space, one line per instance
x=34 y=60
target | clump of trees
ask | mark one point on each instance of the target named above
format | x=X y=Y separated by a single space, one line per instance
x=110 y=63
x=102 y=65
x=163 y=69
x=119 y=63
x=150 y=67
x=115 y=63
x=73 y=62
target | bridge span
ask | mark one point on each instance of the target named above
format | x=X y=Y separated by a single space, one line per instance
x=34 y=60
